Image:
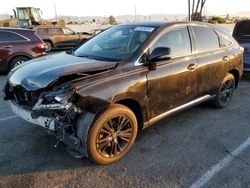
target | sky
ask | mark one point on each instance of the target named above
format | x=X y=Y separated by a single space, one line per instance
x=124 y=7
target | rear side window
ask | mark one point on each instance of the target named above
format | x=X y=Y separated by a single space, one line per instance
x=6 y=36
x=205 y=39
x=56 y=31
x=224 y=41
x=42 y=31
x=177 y=40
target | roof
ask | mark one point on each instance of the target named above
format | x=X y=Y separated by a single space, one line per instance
x=48 y=26
x=15 y=29
x=168 y=23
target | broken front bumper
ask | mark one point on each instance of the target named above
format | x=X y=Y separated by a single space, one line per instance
x=25 y=114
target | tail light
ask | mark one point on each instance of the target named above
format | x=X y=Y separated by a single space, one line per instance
x=40 y=45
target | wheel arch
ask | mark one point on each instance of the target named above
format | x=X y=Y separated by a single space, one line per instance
x=16 y=56
x=236 y=75
x=136 y=109
x=49 y=40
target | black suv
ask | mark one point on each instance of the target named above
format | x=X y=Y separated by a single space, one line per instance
x=97 y=97
x=242 y=34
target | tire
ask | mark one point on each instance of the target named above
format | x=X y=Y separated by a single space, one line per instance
x=48 y=46
x=17 y=61
x=111 y=135
x=225 y=92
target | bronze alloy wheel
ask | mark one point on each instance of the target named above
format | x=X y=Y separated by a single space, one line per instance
x=112 y=134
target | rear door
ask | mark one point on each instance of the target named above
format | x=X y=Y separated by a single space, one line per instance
x=211 y=57
x=5 y=50
x=10 y=43
x=71 y=37
x=57 y=36
x=174 y=82
x=64 y=37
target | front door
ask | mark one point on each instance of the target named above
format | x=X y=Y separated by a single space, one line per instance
x=174 y=82
x=212 y=57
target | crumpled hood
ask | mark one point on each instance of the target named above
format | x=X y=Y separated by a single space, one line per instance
x=39 y=73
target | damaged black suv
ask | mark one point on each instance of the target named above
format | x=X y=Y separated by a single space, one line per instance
x=97 y=97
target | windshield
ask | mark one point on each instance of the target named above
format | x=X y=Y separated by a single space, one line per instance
x=115 y=44
x=23 y=14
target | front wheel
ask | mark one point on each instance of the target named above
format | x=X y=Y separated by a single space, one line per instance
x=225 y=92
x=48 y=46
x=111 y=135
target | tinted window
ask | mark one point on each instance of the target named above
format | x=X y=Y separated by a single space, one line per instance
x=42 y=31
x=224 y=41
x=6 y=36
x=68 y=32
x=55 y=31
x=178 y=40
x=205 y=39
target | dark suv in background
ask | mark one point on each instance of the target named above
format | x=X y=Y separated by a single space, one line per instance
x=242 y=34
x=17 y=46
x=60 y=37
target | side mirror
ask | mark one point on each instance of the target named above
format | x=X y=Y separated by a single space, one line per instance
x=159 y=54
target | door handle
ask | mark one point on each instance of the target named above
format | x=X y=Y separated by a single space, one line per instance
x=192 y=66
x=226 y=58
x=7 y=46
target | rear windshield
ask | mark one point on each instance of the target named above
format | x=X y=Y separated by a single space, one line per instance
x=242 y=29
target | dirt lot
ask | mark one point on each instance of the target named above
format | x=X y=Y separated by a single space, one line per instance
x=201 y=146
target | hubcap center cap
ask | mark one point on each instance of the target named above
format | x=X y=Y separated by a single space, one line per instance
x=114 y=135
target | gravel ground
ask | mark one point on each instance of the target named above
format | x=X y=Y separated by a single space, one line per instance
x=175 y=152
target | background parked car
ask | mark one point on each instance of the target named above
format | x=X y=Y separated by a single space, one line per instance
x=17 y=46
x=242 y=34
x=60 y=37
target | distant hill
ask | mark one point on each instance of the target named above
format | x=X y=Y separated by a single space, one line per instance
x=4 y=16
x=153 y=17
x=130 y=18
x=123 y=18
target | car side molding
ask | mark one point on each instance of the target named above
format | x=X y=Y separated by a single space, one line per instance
x=181 y=108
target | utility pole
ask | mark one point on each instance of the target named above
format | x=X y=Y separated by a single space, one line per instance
x=135 y=15
x=189 y=10
x=55 y=11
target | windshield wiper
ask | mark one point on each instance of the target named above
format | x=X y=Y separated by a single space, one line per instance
x=97 y=58
x=90 y=57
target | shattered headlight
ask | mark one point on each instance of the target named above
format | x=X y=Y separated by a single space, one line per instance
x=55 y=100
x=64 y=97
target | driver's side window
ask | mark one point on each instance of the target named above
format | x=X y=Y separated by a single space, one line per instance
x=177 y=40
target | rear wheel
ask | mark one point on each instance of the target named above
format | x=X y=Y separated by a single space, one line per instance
x=48 y=46
x=17 y=61
x=225 y=92
x=111 y=135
